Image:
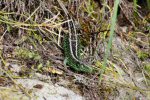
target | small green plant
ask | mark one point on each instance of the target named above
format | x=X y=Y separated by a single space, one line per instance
x=147 y=67
x=90 y=8
x=142 y=55
x=27 y=54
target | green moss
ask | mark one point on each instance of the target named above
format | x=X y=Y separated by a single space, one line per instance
x=142 y=55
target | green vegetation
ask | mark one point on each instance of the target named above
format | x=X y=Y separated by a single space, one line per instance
x=113 y=37
x=147 y=68
x=112 y=28
x=27 y=54
x=142 y=55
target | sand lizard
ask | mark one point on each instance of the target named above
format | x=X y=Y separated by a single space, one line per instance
x=71 y=46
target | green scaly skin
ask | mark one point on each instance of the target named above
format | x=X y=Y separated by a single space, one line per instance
x=71 y=62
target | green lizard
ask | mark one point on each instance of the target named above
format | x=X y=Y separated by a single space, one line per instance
x=71 y=46
x=74 y=62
